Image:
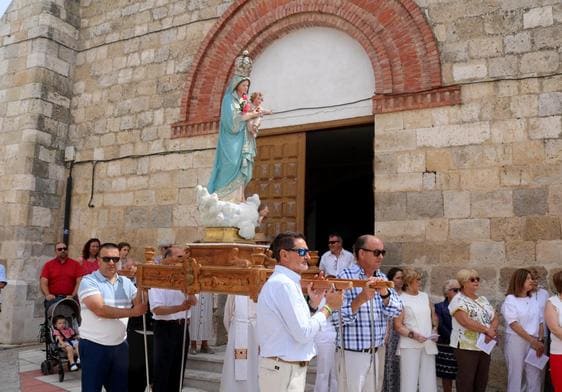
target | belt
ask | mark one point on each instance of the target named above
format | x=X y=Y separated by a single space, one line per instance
x=363 y=350
x=172 y=322
x=300 y=363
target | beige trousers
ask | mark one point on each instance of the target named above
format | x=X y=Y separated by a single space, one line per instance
x=277 y=376
x=358 y=374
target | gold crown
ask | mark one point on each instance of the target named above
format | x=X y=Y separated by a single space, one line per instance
x=243 y=64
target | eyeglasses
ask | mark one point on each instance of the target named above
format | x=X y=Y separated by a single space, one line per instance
x=475 y=279
x=300 y=251
x=376 y=252
x=333 y=242
x=107 y=259
x=455 y=289
x=61 y=249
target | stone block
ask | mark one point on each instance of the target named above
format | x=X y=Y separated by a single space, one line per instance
x=487 y=253
x=541 y=228
x=531 y=152
x=476 y=69
x=524 y=106
x=410 y=162
x=162 y=179
x=385 y=163
x=421 y=253
x=550 y=104
x=517 y=43
x=437 y=230
x=417 y=118
x=545 y=127
x=536 y=17
x=119 y=184
x=469 y=229
x=429 y=181
x=41 y=217
x=166 y=195
x=118 y=199
x=549 y=252
x=555 y=200
x=453 y=135
x=400 y=140
x=424 y=204
x=161 y=216
x=468 y=157
x=184 y=215
x=493 y=204
x=439 y=160
x=508 y=131
x=390 y=206
x=553 y=150
x=136 y=217
x=144 y=197
x=507 y=229
x=530 y=201
x=479 y=179
x=534 y=63
x=485 y=47
x=401 y=231
x=478 y=91
x=398 y=182
x=520 y=252
x=456 y=204
x=503 y=66
x=187 y=178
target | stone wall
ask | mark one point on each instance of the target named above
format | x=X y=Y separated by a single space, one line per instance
x=477 y=184
x=38 y=42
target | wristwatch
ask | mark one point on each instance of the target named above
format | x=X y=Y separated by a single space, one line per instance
x=411 y=334
x=387 y=295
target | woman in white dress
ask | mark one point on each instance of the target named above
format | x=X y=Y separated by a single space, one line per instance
x=553 y=317
x=523 y=323
x=201 y=324
x=240 y=369
x=417 y=326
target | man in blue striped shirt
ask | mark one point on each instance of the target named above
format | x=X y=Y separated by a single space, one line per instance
x=365 y=314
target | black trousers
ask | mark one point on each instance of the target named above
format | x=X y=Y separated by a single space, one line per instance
x=137 y=368
x=168 y=337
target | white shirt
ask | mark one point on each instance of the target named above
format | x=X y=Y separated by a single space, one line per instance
x=556 y=342
x=333 y=265
x=167 y=297
x=525 y=311
x=285 y=327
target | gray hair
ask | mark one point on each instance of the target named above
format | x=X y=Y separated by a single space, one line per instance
x=448 y=285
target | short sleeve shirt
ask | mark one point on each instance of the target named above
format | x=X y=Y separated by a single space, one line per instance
x=479 y=310
x=61 y=276
x=119 y=294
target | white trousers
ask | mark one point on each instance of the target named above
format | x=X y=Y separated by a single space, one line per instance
x=326 y=380
x=358 y=374
x=277 y=376
x=417 y=367
x=518 y=371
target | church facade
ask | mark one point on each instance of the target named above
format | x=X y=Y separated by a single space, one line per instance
x=121 y=99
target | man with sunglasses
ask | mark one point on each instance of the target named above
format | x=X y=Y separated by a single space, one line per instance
x=285 y=327
x=336 y=259
x=60 y=277
x=365 y=314
x=107 y=301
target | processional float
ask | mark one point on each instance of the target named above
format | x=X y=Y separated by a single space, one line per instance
x=228 y=261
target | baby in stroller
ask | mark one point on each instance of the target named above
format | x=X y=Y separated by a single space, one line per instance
x=67 y=339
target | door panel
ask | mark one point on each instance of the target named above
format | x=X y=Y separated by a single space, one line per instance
x=279 y=172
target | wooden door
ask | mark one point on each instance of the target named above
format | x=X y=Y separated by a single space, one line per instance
x=279 y=174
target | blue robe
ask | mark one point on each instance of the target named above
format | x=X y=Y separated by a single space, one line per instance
x=235 y=153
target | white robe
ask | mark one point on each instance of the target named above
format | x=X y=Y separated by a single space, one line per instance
x=243 y=375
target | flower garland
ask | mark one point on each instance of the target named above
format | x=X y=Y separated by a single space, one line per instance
x=245 y=104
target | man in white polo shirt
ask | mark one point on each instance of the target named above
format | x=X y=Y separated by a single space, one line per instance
x=107 y=301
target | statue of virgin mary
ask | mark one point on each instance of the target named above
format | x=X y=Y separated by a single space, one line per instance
x=234 y=159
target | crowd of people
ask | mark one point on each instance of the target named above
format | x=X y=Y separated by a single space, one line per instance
x=375 y=338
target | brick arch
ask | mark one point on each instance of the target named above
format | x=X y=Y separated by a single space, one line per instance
x=394 y=33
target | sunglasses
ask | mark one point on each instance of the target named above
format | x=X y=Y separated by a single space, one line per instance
x=333 y=242
x=300 y=251
x=107 y=259
x=61 y=249
x=475 y=279
x=376 y=252
x=455 y=289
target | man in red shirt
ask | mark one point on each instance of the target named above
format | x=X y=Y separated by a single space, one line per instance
x=60 y=276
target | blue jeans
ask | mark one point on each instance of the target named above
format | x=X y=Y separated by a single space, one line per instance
x=105 y=366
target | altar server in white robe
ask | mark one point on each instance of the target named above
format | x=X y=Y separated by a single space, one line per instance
x=240 y=369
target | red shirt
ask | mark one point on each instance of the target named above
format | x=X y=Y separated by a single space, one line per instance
x=89 y=266
x=61 y=277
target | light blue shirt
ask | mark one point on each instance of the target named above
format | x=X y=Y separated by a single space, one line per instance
x=285 y=327
x=119 y=294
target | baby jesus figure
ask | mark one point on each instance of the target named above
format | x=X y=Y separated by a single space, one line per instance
x=256 y=100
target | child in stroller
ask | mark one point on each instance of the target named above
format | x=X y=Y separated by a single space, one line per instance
x=67 y=339
x=66 y=312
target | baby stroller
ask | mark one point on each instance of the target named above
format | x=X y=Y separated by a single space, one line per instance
x=56 y=358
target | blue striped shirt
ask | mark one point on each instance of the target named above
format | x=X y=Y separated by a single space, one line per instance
x=357 y=326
